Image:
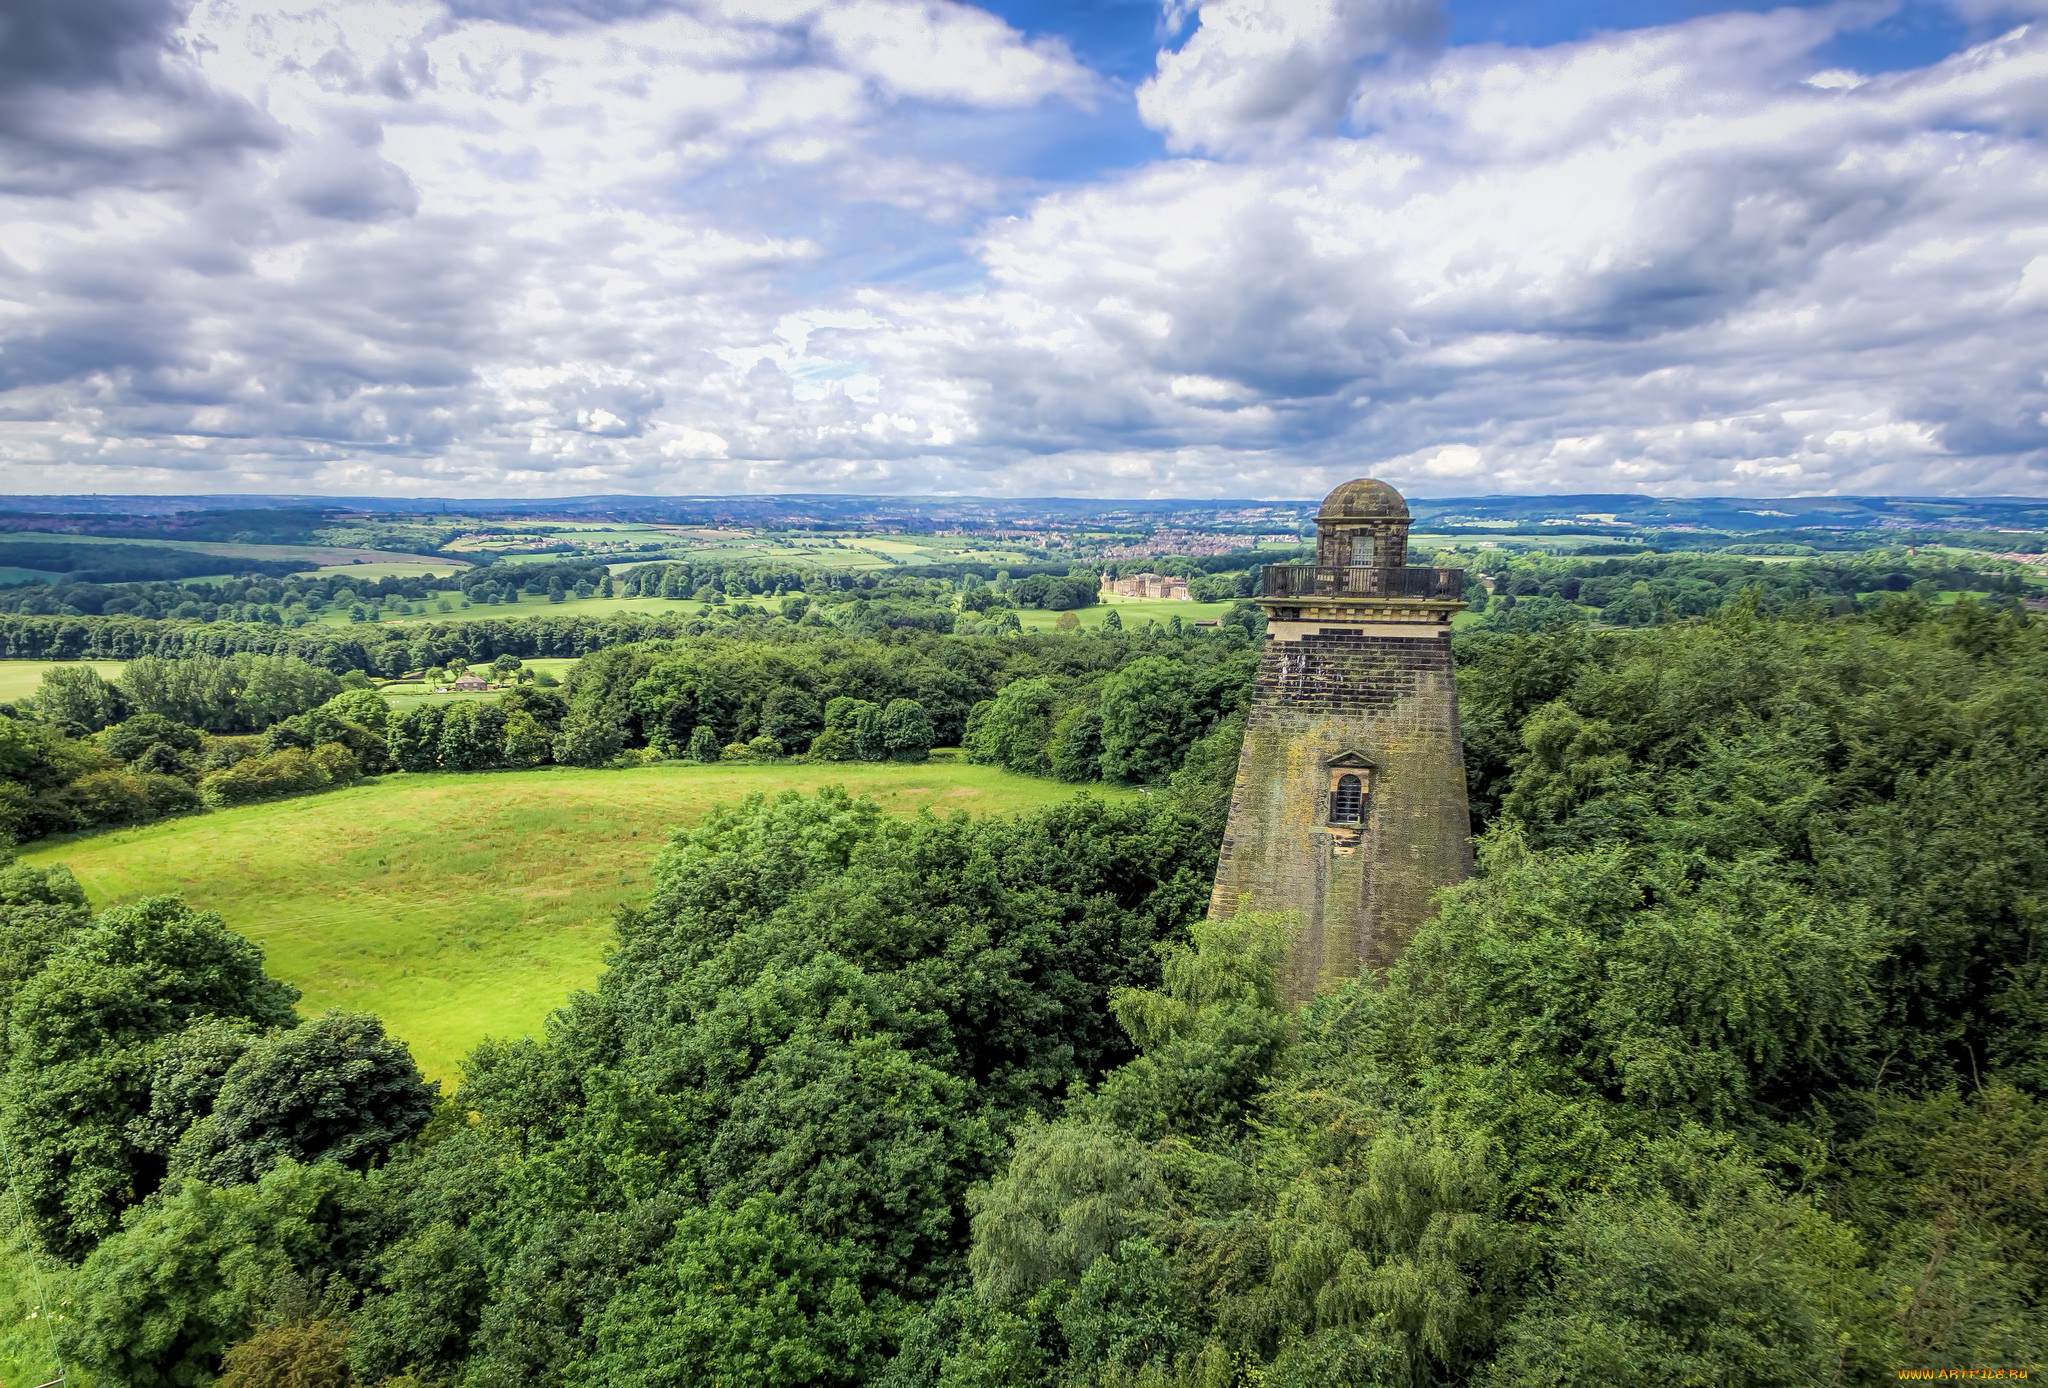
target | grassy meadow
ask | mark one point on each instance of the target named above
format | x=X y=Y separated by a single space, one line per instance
x=1130 y=611
x=532 y=605
x=462 y=906
x=415 y=566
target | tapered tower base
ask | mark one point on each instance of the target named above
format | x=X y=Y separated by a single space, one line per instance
x=1350 y=807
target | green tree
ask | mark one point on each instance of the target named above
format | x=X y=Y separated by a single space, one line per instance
x=588 y=739
x=84 y=1039
x=906 y=730
x=472 y=737
x=364 y=707
x=792 y=717
x=747 y=1298
x=157 y=1304
x=1074 y=752
x=39 y=910
x=1746 y=1287
x=307 y=1354
x=870 y=734
x=1013 y=729
x=704 y=745
x=186 y=1078
x=527 y=743
x=1950 y=1193
x=416 y=737
x=331 y=1089
x=131 y=740
x=1055 y=593
x=843 y=712
x=274 y=687
x=292 y=771
x=1150 y=713
x=76 y=696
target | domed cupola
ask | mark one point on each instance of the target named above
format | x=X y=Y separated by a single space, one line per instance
x=1362 y=524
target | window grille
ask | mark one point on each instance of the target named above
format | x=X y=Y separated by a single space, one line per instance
x=1347 y=801
x=1364 y=551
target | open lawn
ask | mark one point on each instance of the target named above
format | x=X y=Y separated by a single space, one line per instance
x=530 y=605
x=1132 y=612
x=424 y=566
x=622 y=545
x=463 y=906
x=20 y=678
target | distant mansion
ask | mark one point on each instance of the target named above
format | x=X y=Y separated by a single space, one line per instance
x=1146 y=586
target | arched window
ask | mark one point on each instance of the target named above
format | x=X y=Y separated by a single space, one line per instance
x=1347 y=801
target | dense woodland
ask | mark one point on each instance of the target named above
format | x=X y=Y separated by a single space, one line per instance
x=1726 y=1068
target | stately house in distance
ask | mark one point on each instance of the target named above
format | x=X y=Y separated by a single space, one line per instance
x=1146 y=586
x=1350 y=806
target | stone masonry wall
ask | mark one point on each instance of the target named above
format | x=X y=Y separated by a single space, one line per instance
x=1360 y=892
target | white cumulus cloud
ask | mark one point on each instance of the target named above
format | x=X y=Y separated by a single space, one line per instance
x=1258 y=72
x=515 y=246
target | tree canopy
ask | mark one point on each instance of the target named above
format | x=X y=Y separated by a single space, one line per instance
x=1725 y=1068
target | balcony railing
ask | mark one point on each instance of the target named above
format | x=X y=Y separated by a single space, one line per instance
x=1347 y=581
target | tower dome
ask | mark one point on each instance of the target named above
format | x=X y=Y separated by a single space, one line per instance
x=1364 y=499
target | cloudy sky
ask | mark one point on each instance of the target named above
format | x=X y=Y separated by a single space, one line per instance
x=1048 y=247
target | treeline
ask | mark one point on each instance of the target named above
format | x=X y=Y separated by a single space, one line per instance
x=262 y=594
x=172 y=735
x=236 y=525
x=1036 y=704
x=1118 y=705
x=1647 y=589
x=381 y=650
x=293 y=602
x=272 y=600
x=113 y=562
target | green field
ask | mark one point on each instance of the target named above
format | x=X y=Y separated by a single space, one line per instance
x=19 y=678
x=463 y=906
x=531 y=605
x=1131 y=611
x=421 y=567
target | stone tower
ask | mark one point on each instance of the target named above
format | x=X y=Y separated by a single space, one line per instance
x=1350 y=802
